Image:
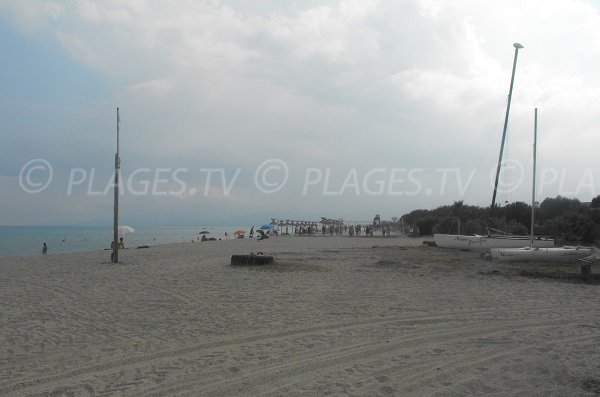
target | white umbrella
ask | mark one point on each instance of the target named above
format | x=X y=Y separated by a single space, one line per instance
x=123 y=230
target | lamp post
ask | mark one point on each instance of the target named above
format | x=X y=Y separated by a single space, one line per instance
x=512 y=80
x=115 y=250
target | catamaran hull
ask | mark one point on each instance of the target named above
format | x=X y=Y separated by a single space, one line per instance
x=526 y=254
x=487 y=242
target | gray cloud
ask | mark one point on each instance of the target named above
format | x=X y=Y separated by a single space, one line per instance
x=338 y=85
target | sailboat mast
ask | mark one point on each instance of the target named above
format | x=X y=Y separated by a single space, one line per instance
x=534 y=172
x=512 y=80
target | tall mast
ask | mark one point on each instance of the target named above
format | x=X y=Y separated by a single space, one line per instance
x=115 y=251
x=534 y=169
x=512 y=80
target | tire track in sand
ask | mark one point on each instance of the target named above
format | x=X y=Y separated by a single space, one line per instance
x=433 y=372
x=281 y=374
x=147 y=359
x=134 y=361
x=41 y=384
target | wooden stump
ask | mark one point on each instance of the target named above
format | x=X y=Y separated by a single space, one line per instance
x=586 y=271
x=251 y=260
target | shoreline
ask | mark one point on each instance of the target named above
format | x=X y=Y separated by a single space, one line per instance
x=50 y=253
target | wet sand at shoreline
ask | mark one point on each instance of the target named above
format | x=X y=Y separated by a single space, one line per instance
x=333 y=316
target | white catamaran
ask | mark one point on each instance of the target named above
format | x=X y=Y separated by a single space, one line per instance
x=493 y=241
x=483 y=243
x=531 y=252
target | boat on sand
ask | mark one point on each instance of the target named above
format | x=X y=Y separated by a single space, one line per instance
x=530 y=254
x=488 y=242
x=494 y=241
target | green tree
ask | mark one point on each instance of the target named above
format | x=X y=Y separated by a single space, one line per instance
x=573 y=227
x=555 y=207
x=426 y=224
x=560 y=217
x=447 y=225
x=596 y=202
x=519 y=212
x=474 y=226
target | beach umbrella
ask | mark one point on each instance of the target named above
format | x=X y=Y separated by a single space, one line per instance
x=239 y=232
x=266 y=227
x=123 y=230
x=204 y=232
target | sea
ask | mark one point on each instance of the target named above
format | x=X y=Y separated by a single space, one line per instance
x=28 y=240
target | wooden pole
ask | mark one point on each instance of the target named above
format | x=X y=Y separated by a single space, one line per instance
x=586 y=271
x=115 y=250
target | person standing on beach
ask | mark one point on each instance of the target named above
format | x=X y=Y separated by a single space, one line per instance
x=44 y=249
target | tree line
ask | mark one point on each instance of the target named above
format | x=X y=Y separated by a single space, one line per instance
x=565 y=219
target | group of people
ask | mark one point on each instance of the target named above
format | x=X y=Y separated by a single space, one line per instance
x=340 y=230
x=120 y=245
x=369 y=230
x=299 y=230
x=358 y=229
x=262 y=234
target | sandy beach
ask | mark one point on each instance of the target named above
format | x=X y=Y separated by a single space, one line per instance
x=334 y=316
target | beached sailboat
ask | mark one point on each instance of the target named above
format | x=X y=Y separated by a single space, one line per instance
x=532 y=253
x=478 y=242
x=493 y=241
x=536 y=254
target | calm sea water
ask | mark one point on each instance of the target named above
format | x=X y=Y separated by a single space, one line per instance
x=28 y=240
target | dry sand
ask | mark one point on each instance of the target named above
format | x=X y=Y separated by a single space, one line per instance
x=335 y=316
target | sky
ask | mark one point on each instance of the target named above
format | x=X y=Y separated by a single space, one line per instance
x=233 y=112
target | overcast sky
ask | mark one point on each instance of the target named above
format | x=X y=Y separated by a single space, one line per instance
x=236 y=111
